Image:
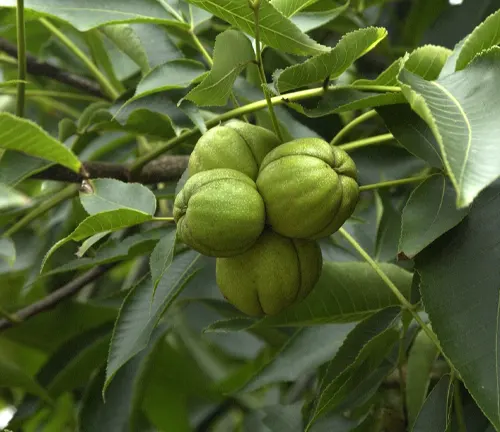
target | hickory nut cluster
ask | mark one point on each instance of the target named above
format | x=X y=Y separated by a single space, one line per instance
x=259 y=207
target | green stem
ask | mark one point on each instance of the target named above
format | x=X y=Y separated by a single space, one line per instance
x=255 y=5
x=459 y=409
x=57 y=198
x=21 y=53
x=103 y=81
x=401 y=298
x=392 y=183
x=55 y=94
x=352 y=124
x=246 y=109
x=163 y=219
x=366 y=142
x=171 y=10
x=201 y=49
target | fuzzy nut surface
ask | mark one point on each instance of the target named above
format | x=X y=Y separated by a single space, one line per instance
x=309 y=188
x=219 y=212
x=272 y=275
x=237 y=145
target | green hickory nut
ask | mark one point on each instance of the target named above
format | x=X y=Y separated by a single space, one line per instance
x=273 y=274
x=237 y=145
x=219 y=212
x=309 y=188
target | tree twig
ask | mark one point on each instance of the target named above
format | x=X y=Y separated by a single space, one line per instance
x=57 y=296
x=164 y=169
x=40 y=68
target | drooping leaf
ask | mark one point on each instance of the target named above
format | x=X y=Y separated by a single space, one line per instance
x=464 y=126
x=330 y=64
x=112 y=220
x=483 y=37
x=421 y=359
x=27 y=137
x=460 y=294
x=161 y=258
x=275 y=29
x=307 y=349
x=371 y=356
x=232 y=53
x=175 y=74
x=346 y=292
x=93 y=13
x=412 y=133
x=110 y=194
x=429 y=213
x=139 y=316
x=433 y=417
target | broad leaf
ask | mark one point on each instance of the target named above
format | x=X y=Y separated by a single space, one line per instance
x=330 y=64
x=465 y=127
x=358 y=373
x=10 y=197
x=433 y=417
x=412 y=133
x=112 y=220
x=421 y=359
x=363 y=333
x=461 y=296
x=93 y=13
x=232 y=53
x=275 y=30
x=429 y=213
x=16 y=166
x=346 y=292
x=175 y=74
x=485 y=36
x=110 y=194
x=306 y=350
x=127 y=40
x=162 y=257
x=139 y=316
x=27 y=137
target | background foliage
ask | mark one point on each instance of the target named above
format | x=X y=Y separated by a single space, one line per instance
x=108 y=324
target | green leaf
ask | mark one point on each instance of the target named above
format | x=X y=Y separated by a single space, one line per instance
x=290 y=7
x=11 y=375
x=370 y=358
x=307 y=349
x=27 y=137
x=276 y=30
x=15 y=167
x=311 y=19
x=346 y=292
x=114 y=250
x=465 y=127
x=162 y=257
x=421 y=359
x=412 y=133
x=362 y=334
x=483 y=37
x=110 y=221
x=139 y=316
x=232 y=53
x=175 y=74
x=7 y=250
x=10 y=197
x=93 y=13
x=119 y=410
x=428 y=214
x=433 y=417
x=460 y=294
x=124 y=36
x=389 y=230
x=330 y=64
x=110 y=194
x=91 y=241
